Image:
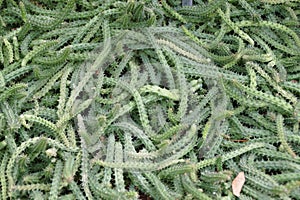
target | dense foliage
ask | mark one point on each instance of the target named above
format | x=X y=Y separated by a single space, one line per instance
x=169 y=99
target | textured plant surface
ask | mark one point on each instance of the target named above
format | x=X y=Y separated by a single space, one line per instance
x=165 y=99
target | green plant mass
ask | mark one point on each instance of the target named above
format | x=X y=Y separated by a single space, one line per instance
x=153 y=99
